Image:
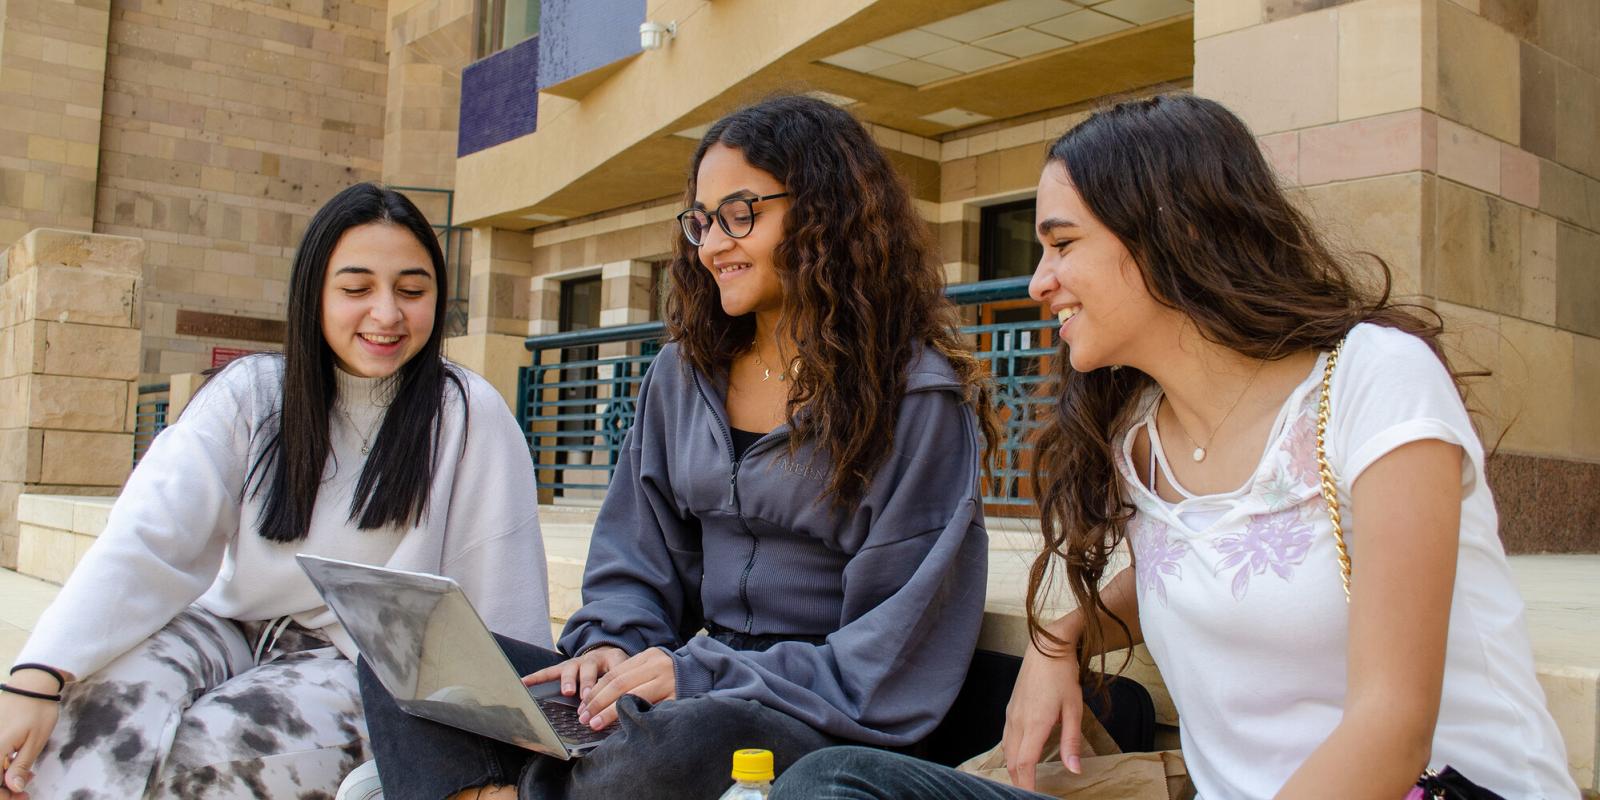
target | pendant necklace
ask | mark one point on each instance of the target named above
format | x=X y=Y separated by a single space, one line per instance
x=766 y=372
x=1199 y=453
x=366 y=436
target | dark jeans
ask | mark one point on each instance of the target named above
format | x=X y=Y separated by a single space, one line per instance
x=862 y=773
x=677 y=749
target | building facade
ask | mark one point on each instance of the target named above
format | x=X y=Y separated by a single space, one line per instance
x=1456 y=138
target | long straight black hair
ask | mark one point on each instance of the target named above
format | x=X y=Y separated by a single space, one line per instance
x=394 y=483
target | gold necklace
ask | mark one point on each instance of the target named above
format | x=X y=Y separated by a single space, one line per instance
x=1199 y=453
x=766 y=372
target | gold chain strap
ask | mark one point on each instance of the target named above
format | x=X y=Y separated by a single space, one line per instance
x=1330 y=490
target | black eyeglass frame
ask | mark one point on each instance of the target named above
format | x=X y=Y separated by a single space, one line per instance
x=722 y=222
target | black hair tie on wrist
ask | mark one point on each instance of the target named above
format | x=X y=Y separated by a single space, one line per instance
x=54 y=698
x=61 y=681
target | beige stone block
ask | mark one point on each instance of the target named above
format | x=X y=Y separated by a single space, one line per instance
x=1585 y=388
x=1578 y=280
x=1213 y=17
x=1538 y=267
x=1384 y=216
x=87 y=459
x=1479 y=239
x=1387 y=57
x=1404 y=141
x=1469 y=157
x=45 y=553
x=90 y=516
x=1277 y=77
x=1472 y=342
x=85 y=296
x=1479 y=80
x=48 y=247
x=1538 y=388
x=46 y=148
x=20 y=452
x=91 y=351
x=1519 y=176
x=59 y=402
x=1282 y=151
x=14 y=401
x=46 y=510
x=1565 y=194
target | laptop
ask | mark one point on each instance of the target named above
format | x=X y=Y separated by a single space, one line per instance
x=431 y=650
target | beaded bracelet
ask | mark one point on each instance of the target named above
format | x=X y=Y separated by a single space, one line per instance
x=54 y=698
x=61 y=681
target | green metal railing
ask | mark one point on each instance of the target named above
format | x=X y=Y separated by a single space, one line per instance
x=575 y=405
x=452 y=239
x=150 y=417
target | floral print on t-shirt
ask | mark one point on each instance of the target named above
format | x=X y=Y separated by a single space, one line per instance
x=1278 y=542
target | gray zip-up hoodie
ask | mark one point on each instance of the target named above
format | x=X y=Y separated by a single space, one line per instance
x=896 y=584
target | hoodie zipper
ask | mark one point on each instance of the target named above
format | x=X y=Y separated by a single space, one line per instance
x=733 y=487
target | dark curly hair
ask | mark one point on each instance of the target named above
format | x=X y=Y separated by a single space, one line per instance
x=1260 y=281
x=862 y=284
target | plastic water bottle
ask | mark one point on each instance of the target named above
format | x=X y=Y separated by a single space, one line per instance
x=752 y=775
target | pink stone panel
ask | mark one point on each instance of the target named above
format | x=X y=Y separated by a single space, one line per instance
x=1282 y=151
x=1519 y=176
x=1469 y=157
x=1381 y=145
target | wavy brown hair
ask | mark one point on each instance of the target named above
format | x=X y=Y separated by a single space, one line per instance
x=1182 y=183
x=863 y=287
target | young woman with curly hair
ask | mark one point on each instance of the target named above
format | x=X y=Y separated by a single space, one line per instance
x=1203 y=322
x=792 y=551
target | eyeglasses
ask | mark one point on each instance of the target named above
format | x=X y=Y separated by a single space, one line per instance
x=736 y=216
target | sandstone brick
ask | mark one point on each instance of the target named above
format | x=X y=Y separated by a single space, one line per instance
x=58 y=402
x=1538 y=264
x=1282 y=151
x=45 y=553
x=1399 y=142
x=89 y=459
x=89 y=297
x=21 y=452
x=1585 y=388
x=1479 y=82
x=1479 y=239
x=1385 y=216
x=1469 y=157
x=1386 y=57
x=1213 y=17
x=1537 y=385
x=91 y=351
x=1578 y=280
x=1519 y=176
x=14 y=401
x=46 y=248
x=1279 y=76
x=1566 y=195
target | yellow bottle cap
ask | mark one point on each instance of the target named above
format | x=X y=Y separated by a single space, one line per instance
x=752 y=765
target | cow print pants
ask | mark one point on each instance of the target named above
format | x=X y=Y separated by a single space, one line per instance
x=189 y=713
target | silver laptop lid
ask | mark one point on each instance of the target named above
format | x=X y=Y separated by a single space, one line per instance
x=426 y=644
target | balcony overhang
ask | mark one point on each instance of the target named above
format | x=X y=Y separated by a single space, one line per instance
x=617 y=147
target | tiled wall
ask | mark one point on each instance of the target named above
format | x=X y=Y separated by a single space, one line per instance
x=500 y=98
x=581 y=35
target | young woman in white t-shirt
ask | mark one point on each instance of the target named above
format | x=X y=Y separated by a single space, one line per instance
x=1198 y=309
x=188 y=656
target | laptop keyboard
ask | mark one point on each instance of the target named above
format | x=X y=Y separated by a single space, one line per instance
x=564 y=718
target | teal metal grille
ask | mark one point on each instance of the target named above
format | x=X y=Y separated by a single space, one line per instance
x=150 y=417
x=575 y=407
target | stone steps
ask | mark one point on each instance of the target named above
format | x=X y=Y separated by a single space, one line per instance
x=1562 y=594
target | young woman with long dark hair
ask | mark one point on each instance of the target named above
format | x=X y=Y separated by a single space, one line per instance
x=188 y=655
x=801 y=483
x=1203 y=322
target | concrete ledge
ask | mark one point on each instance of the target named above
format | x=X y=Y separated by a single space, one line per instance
x=55 y=532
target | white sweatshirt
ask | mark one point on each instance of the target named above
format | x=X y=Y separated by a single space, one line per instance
x=184 y=529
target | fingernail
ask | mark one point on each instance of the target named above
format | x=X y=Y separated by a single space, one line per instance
x=18 y=783
x=585 y=693
x=567 y=688
x=583 y=717
x=1074 y=765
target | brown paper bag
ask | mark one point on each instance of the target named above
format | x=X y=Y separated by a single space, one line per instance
x=1108 y=773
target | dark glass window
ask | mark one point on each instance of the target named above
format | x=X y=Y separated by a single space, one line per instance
x=506 y=23
x=1007 y=245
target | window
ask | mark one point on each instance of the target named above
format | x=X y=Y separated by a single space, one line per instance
x=1007 y=245
x=506 y=23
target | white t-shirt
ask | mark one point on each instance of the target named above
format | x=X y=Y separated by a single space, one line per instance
x=1241 y=603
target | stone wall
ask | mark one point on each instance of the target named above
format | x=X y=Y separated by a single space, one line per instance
x=1454 y=138
x=69 y=354
x=52 y=70
x=226 y=124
